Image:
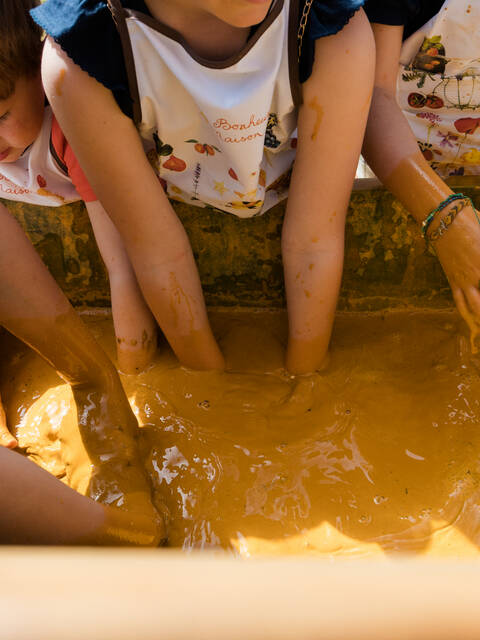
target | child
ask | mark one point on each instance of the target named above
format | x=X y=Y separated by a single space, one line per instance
x=34 y=309
x=210 y=89
x=37 y=165
x=427 y=95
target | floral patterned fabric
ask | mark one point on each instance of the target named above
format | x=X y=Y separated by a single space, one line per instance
x=439 y=88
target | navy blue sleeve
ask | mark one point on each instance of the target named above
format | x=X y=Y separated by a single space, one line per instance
x=412 y=14
x=393 y=12
x=326 y=18
x=85 y=30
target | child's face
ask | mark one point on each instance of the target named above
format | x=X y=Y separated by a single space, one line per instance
x=21 y=117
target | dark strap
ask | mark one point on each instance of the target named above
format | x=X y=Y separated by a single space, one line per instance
x=119 y=17
x=61 y=165
x=303 y=24
x=293 y=46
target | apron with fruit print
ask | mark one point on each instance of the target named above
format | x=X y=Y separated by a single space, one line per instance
x=438 y=88
x=221 y=134
x=37 y=176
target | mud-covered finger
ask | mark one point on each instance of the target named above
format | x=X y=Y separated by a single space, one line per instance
x=472 y=297
x=462 y=307
x=467 y=315
x=6 y=438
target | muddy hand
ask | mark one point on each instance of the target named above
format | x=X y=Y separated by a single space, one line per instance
x=6 y=438
x=109 y=431
x=459 y=253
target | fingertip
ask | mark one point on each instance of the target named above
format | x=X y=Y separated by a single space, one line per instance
x=9 y=442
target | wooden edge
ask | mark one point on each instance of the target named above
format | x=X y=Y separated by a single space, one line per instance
x=92 y=594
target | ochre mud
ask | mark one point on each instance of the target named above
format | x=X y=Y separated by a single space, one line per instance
x=378 y=454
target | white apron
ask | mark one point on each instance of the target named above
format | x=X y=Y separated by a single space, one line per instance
x=438 y=88
x=219 y=134
x=37 y=177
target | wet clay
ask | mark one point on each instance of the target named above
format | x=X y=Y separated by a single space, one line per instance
x=96 y=432
x=378 y=454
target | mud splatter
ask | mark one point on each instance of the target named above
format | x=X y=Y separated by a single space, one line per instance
x=59 y=82
x=313 y=104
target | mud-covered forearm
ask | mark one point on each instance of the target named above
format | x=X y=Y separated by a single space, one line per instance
x=390 y=147
x=33 y=308
x=392 y=153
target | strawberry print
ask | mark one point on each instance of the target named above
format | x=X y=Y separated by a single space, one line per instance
x=467 y=125
x=202 y=147
x=175 y=164
x=42 y=183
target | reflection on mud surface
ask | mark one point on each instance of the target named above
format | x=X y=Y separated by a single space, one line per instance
x=377 y=454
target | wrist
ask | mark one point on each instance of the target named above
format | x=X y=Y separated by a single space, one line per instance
x=440 y=219
x=198 y=350
x=103 y=378
x=307 y=356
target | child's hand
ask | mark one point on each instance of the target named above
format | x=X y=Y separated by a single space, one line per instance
x=112 y=466
x=459 y=253
x=6 y=438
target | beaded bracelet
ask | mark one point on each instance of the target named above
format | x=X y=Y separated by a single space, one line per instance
x=428 y=220
x=447 y=220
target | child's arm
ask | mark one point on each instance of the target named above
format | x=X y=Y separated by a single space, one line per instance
x=110 y=151
x=336 y=100
x=36 y=508
x=6 y=438
x=34 y=309
x=135 y=326
x=392 y=152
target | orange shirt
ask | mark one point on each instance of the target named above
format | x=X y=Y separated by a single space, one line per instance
x=65 y=157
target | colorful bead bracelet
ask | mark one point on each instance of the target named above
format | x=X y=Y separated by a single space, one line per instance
x=446 y=221
x=429 y=219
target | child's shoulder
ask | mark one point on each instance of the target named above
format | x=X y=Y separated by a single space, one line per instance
x=335 y=8
x=330 y=16
x=62 y=17
x=86 y=32
x=326 y=18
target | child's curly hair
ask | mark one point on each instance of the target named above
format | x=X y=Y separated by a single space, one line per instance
x=20 y=44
